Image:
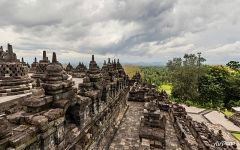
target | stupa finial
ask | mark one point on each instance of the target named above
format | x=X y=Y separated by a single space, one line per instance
x=44 y=55
x=54 y=58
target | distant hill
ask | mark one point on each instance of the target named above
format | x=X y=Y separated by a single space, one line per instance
x=146 y=63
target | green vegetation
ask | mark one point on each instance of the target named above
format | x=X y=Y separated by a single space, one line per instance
x=190 y=81
x=220 y=85
x=204 y=85
x=236 y=135
x=158 y=75
x=131 y=69
x=155 y=75
x=165 y=87
x=233 y=65
x=184 y=75
x=227 y=113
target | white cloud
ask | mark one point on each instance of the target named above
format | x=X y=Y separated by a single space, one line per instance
x=224 y=53
x=145 y=30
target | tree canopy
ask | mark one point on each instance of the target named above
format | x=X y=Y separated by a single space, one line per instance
x=195 y=82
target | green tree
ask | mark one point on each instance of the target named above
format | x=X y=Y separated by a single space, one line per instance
x=234 y=65
x=210 y=89
x=185 y=75
x=220 y=86
x=232 y=90
x=155 y=74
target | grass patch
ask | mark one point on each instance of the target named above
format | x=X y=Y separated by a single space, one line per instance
x=166 y=87
x=227 y=113
x=236 y=135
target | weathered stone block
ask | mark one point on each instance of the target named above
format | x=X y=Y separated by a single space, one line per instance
x=40 y=121
x=59 y=134
x=36 y=104
x=59 y=121
x=49 y=132
x=21 y=128
x=53 y=114
x=24 y=139
x=61 y=103
x=34 y=146
x=28 y=117
x=48 y=142
x=15 y=118
x=61 y=146
x=4 y=144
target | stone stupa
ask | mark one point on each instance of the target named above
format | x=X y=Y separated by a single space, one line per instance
x=14 y=77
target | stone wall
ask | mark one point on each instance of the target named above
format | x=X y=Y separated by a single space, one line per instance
x=12 y=104
x=57 y=116
x=194 y=135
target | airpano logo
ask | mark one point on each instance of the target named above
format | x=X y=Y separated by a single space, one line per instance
x=224 y=143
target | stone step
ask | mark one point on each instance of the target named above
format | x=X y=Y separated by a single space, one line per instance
x=14 y=89
x=15 y=86
x=15 y=93
x=204 y=112
x=15 y=82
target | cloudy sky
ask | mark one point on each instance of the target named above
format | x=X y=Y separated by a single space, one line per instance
x=132 y=30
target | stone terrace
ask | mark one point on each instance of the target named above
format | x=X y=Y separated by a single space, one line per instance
x=127 y=136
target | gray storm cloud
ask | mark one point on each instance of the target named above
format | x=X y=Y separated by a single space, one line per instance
x=146 y=30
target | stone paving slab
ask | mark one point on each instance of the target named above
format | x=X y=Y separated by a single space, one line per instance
x=127 y=137
x=216 y=117
x=77 y=81
x=198 y=118
x=13 y=97
x=171 y=139
x=192 y=109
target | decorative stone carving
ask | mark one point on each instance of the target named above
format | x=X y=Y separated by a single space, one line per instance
x=14 y=78
x=56 y=80
x=58 y=116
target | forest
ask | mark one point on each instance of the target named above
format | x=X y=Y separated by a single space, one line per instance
x=189 y=80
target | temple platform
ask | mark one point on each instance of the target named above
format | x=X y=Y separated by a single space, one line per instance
x=7 y=101
x=77 y=81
